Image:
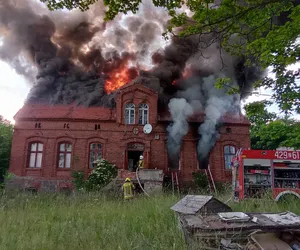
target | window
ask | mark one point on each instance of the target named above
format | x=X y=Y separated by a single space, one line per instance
x=97 y=126
x=95 y=153
x=229 y=153
x=129 y=113
x=228 y=130
x=65 y=152
x=143 y=113
x=36 y=155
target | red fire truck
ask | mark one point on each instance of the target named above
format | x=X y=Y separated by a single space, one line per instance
x=256 y=171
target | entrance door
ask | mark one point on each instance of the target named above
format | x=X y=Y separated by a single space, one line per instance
x=134 y=151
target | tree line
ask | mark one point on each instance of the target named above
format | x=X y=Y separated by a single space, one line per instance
x=6 y=133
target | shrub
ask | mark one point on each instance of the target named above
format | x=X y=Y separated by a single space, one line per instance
x=101 y=175
x=7 y=177
x=200 y=180
x=79 y=180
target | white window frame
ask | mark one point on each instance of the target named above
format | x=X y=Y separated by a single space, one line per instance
x=228 y=155
x=143 y=108
x=65 y=155
x=35 y=154
x=129 y=110
x=96 y=151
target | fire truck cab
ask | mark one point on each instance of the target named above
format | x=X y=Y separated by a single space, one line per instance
x=257 y=171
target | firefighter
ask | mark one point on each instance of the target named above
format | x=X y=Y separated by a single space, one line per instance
x=128 y=189
x=141 y=162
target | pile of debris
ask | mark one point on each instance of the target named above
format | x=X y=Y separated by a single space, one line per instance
x=207 y=223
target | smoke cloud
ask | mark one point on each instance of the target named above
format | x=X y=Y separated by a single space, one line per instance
x=180 y=110
x=75 y=57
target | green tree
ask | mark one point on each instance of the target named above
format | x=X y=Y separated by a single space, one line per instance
x=269 y=131
x=264 y=31
x=6 y=132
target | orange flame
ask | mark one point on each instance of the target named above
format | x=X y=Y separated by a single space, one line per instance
x=118 y=78
x=186 y=74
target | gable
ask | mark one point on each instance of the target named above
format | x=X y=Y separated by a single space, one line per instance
x=136 y=94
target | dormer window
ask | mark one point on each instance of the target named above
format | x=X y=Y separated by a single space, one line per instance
x=143 y=113
x=129 y=113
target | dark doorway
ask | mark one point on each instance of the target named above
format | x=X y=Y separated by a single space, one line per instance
x=133 y=160
x=135 y=150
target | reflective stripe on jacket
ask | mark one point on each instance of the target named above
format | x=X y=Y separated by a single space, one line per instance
x=141 y=164
x=128 y=190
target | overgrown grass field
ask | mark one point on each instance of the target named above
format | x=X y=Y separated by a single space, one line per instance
x=99 y=222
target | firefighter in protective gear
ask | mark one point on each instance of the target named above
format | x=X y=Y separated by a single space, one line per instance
x=128 y=189
x=141 y=162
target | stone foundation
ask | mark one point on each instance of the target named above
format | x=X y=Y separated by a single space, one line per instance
x=18 y=183
x=153 y=186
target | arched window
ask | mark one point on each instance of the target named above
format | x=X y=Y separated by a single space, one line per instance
x=35 y=154
x=95 y=153
x=143 y=113
x=64 y=153
x=229 y=153
x=129 y=113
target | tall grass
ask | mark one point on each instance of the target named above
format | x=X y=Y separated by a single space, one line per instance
x=93 y=221
x=88 y=222
x=267 y=204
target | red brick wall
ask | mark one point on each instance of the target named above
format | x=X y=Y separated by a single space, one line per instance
x=114 y=139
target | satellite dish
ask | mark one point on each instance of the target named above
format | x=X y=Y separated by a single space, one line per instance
x=147 y=129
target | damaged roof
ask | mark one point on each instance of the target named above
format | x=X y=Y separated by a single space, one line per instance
x=37 y=111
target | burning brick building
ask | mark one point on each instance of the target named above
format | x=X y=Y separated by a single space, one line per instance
x=95 y=85
x=51 y=141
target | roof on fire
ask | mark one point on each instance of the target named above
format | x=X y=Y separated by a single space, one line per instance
x=101 y=114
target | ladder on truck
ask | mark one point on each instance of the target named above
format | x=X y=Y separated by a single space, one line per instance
x=175 y=182
x=210 y=179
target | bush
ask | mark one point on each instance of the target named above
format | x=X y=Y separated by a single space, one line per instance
x=102 y=175
x=201 y=180
x=79 y=180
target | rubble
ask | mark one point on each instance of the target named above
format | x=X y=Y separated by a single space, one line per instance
x=217 y=227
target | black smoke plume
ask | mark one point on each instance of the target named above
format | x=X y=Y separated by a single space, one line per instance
x=69 y=57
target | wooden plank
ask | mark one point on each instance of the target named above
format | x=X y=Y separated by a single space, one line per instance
x=269 y=241
x=265 y=221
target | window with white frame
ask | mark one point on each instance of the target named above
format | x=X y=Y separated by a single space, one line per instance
x=95 y=153
x=143 y=113
x=229 y=153
x=65 y=152
x=35 y=154
x=129 y=113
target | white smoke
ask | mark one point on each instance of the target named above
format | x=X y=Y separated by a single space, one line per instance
x=180 y=110
x=200 y=97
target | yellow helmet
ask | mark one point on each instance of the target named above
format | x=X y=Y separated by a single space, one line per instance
x=127 y=179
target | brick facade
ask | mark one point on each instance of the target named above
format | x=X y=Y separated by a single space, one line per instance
x=81 y=126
